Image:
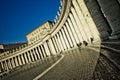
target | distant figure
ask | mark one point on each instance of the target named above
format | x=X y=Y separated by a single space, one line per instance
x=85 y=43
x=92 y=39
x=79 y=45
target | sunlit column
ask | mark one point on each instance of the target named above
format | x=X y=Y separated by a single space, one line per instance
x=40 y=52
x=47 y=48
x=82 y=19
x=56 y=43
x=5 y=68
x=65 y=38
x=32 y=55
x=63 y=42
x=75 y=31
x=6 y=65
x=29 y=56
x=26 y=57
x=10 y=64
x=22 y=58
x=59 y=41
x=68 y=36
x=43 y=52
x=70 y=33
x=13 y=62
x=52 y=47
x=35 y=54
x=2 y=66
x=16 y=61
x=78 y=25
x=19 y=59
x=88 y=18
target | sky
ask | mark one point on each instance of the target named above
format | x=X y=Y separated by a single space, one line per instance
x=19 y=17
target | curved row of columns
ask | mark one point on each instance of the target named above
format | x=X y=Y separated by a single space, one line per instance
x=75 y=30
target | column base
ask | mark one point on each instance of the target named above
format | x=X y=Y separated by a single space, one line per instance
x=117 y=36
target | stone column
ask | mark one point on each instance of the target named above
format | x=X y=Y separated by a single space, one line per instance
x=85 y=26
x=32 y=55
x=19 y=59
x=16 y=61
x=26 y=57
x=88 y=19
x=3 y=63
x=74 y=28
x=62 y=40
x=35 y=54
x=22 y=58
x=39 y=53
x=59 y=41
x=47 y=48
x=71 y=33
x=10 y=63
x=95 y=19
x=2 y=66
x=13 y=62
x=56 y=43
x=6 y=65
x=51 y=46
x=111 y=9
x=65 y=38
x=43 y=52
x=29 y=56
x=68 y=36
x=78 y=25
x=40 y=50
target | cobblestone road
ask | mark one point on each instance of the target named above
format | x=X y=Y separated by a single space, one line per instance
x=105 y=70
x=78 y=64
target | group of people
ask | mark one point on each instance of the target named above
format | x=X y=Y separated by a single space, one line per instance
x=85 y=42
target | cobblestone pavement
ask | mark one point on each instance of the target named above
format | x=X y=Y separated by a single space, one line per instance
x=77 y=64
x=115 y=56
x=105 y=70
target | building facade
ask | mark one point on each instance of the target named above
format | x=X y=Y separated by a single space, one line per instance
x=77 y=22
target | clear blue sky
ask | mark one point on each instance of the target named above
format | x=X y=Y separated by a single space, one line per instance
x=19 y=17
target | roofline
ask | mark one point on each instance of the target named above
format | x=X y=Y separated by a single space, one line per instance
x=39 y=26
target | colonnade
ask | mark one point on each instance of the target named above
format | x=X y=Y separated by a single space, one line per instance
x=74 y=30
x=105 y=14
x=71 y=28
